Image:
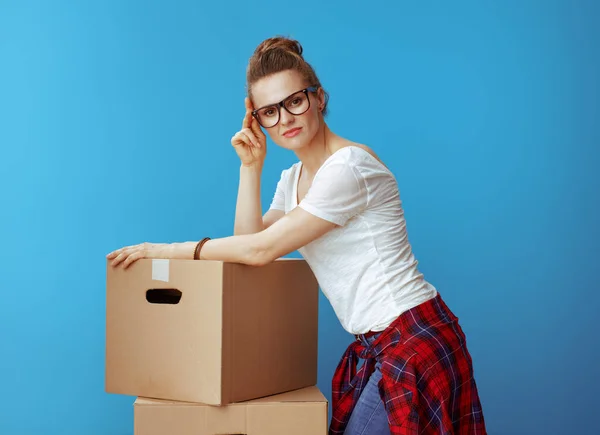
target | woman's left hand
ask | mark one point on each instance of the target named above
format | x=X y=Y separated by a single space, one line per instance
x=128 y=254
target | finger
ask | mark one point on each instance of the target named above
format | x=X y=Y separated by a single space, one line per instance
x=239 y=139
x=250 y=135
x=248 y=116
x=255 y=126
x=247 y=120
x=121 y=256
x=116 y=261
x=133 y=257
x=246 y=140
x=248 y=102
x=116 y=252
x=253 y=122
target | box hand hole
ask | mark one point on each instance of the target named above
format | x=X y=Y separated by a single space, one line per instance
x=163 y=296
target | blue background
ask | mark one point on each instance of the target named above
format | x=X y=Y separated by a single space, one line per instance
x=115 y=121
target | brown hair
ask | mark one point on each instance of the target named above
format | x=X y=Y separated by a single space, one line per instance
x=278 y=54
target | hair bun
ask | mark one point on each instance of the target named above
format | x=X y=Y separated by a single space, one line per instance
x=279 y=43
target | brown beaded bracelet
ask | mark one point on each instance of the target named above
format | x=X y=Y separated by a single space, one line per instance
x=199 y=247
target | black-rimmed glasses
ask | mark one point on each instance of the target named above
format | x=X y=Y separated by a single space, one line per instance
x=296 y=104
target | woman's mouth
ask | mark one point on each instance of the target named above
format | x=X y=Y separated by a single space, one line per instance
x=293 y=132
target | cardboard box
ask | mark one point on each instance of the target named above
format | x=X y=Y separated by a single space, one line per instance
x=209 y=331
x=300 y=412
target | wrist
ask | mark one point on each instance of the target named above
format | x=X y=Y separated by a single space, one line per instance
x=181 y=251
x=166 y=250
x=253 y=167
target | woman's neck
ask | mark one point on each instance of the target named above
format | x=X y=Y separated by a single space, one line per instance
x=317 y=151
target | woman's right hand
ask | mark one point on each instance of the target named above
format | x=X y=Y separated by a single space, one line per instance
x=250 y=143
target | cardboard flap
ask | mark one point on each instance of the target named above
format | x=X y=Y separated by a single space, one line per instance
x=309 y=394
x=299 y=412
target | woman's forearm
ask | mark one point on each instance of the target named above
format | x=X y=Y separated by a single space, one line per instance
x=179 y=250
x=248 y=212
x=245 y=249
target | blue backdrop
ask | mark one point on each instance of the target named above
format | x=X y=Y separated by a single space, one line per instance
x=115 y=121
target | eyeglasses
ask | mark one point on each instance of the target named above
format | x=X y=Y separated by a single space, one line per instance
x=296 y=104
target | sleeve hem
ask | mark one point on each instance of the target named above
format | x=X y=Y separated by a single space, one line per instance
x=338 y=220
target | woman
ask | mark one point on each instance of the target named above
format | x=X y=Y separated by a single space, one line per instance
x=339 y=206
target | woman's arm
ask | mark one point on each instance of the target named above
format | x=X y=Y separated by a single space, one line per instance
x=248 y=210
x=289 y=233
x=338 y=194
x=248 y=219
x=250 y=143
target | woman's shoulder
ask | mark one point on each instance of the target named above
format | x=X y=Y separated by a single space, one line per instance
x=354 y=152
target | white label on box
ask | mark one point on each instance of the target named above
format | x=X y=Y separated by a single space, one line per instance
x=160 y=270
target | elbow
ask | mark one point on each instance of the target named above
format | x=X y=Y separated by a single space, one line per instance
x=259 y=256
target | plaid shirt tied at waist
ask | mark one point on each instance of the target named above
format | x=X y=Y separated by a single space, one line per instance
x=427 y=384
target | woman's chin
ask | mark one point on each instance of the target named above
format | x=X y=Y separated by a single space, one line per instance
x=292 y=144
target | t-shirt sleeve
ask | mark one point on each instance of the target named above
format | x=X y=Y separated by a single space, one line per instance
x=278 y=201
x=338 y=193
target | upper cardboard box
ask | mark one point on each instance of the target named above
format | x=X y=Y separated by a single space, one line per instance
x=209 y=331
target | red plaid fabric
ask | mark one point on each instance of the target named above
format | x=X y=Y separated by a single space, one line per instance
x=427 y=383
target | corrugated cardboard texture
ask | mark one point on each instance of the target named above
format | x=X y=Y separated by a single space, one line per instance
x=270 y=330
x=164 y=350
x=301 y=412
x=236 y=333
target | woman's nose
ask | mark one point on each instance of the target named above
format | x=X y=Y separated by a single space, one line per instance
x=286 y=117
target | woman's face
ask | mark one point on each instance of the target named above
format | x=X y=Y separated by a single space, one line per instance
x=293 y=131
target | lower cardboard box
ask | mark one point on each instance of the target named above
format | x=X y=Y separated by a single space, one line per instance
x=298 y=412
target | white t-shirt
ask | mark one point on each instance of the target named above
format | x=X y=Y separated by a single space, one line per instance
x=365 y=267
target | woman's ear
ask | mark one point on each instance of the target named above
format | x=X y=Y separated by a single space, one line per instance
x=321 y=97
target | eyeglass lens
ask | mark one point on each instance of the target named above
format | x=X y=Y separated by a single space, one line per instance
x=296 y=104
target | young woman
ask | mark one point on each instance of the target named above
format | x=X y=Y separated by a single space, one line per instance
x=339 y=206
